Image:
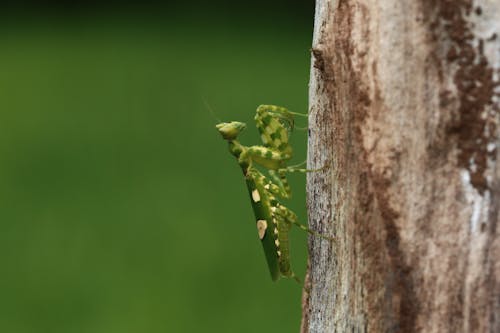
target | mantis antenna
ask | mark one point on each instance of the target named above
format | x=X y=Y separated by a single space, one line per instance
x=205 y=102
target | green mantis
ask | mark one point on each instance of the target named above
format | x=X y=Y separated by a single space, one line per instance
x=273 y=219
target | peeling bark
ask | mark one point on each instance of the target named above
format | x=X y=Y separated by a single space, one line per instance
x=404 y=110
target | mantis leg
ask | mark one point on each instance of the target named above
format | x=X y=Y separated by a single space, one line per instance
x=294 y=169
x=267 y=157
x=291 y=217
x=275 y=124
x=277 y=111
x=280 y=180
x=281 y=188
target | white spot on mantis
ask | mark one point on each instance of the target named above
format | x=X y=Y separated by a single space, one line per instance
x=255 y=196
x=278 y=253
x=275 y=231
x=261 y=228
x=267 y=186
x=277 y=243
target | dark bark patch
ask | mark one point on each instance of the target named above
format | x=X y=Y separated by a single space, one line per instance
x=473 y=124
x=400 y=289
x=319 y=61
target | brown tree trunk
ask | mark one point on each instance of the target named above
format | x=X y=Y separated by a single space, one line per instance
x=404 y=110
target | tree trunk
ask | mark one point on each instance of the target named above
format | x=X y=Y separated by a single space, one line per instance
x=404 y=111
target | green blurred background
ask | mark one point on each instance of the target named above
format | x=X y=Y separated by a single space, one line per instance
x=121 y=209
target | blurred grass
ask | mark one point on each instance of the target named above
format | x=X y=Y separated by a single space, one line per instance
x=121 y=209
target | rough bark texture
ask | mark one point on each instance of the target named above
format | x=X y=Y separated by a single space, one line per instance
x=404 y=108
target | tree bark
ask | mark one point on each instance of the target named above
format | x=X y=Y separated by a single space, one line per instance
x=404 y=112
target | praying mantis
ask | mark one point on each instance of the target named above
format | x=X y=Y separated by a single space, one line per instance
x=273 y=219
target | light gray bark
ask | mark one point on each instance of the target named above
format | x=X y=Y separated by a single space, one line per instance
x=404 y=110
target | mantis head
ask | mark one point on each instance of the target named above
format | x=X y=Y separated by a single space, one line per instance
x=231 y=130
